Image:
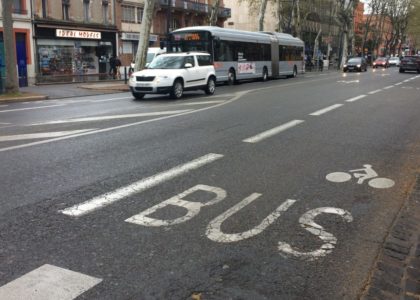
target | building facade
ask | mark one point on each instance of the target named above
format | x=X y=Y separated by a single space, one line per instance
x=73 y=39
x=22 y=28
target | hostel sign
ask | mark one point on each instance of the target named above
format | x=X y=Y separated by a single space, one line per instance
x=78 y=34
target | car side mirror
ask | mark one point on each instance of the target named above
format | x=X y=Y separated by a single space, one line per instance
x=188 y=65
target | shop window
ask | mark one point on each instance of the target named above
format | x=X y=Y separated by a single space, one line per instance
x=105 y=11
x=65 y=4
x=86 y=4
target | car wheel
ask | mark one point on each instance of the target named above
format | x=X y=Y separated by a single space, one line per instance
x=418 y=71
x=138 y=96
x=402 y=70
x=177 y=89
x=211 y=86
x=231 y=77
x=264 y=74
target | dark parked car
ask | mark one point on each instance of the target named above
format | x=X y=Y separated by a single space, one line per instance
x=410 y=63
x=381 y=62
x=355 y=64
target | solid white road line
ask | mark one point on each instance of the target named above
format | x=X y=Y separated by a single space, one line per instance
x=203 y=102
x=374 y=92
x=2 y=123
x=48 y=282
x=356 y=98
x=138 y=187
x=110 y=99
x=40 y=135
x=269 y=133
x=388 y=87
x=399 y=83
x=237 y=97
x=4 y=105
x=325 y=110
x=114 y=117
x=31 y=108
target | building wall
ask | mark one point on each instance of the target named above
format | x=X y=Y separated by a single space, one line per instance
x=22 y=26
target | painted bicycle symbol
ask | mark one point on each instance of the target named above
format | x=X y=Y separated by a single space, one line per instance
x=363 y=174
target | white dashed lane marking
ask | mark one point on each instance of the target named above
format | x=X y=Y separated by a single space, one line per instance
x=388 y=87
x=356 y=98
x=375 y=92
x=325 y=110
x=269 y=133
x=138 y=187
x=48 y=282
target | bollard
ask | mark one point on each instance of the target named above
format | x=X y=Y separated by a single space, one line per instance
x=125 y=74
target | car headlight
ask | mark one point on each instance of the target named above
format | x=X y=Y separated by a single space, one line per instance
x=345 y=66
x=359 y=66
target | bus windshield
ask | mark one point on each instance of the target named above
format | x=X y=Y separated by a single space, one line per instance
x=190 y=41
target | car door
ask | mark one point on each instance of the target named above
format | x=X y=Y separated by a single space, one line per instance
x=204 y=67
x=190 y=74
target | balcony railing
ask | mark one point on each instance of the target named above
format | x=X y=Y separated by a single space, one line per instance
x=195 y=7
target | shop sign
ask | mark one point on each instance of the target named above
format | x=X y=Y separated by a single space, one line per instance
x=78 y=34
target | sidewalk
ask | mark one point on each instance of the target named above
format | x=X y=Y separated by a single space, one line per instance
x=58 y=91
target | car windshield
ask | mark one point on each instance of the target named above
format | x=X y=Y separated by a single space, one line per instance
x=381 y=59
x=394 y=58
x=150 y=57
x=167 y=62
x=355 y=60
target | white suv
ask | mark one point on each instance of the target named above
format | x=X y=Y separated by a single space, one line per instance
x=174 y=73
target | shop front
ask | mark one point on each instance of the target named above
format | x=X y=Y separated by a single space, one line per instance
x=73 y=55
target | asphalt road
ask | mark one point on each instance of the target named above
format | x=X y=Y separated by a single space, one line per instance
x=267 y=190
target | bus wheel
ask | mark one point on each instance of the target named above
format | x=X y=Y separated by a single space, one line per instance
x=264 y=74
x=294 y=72
x=231 y=77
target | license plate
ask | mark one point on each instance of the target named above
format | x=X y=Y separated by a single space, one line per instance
x=143 y=84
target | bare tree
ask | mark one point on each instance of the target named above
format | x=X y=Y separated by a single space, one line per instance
x=12 y=83
x=345 y=19
x=261 y=15
x=214 y=12
x=146 y=24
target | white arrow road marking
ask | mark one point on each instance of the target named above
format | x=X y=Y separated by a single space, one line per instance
x=348 y=81
x=356 y=98
x=269 y=133
x=138 y=187
x=325 y=110
x=48 y=282
x=40 y=135
x=114 y=117
x=31 y=108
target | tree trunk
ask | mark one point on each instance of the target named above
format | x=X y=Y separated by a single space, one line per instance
x=146 y=25
x=279 y=15
x=214 y=12
x=261 y=15
x=298 y=24
x=345 y=47
x=316 y=44
x=12 y=83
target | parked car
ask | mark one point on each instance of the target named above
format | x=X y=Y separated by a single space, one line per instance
x=355 y=64
x=382 y=62
x=410 y=63
x=173 y=74
x=394 y=61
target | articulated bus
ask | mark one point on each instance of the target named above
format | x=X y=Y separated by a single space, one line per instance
x=239 y=55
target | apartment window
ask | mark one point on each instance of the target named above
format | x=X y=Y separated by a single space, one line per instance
x=128 y=14
x=86 y=4
x=19 y=7
x=65 y=4
x=139 y=11
x=105 y=11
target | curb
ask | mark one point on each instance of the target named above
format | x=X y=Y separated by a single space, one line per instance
x=24 y=99
x=396 y=274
